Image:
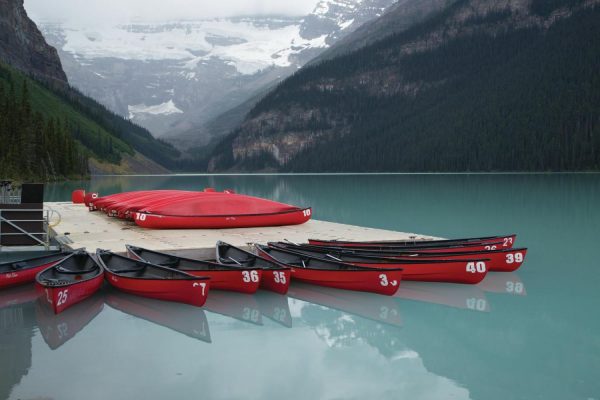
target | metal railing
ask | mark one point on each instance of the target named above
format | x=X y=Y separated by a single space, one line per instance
x=39 y=238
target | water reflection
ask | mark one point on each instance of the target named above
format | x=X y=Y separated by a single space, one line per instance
x=17 y=323
x=240 y=306
x=469 y=297
x=275 y=307
x=57 y=329
x=367 y=305
x=188 y=320
x=504 y=282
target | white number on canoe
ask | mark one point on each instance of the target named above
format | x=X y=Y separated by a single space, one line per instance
x=507 y=241
x=383 y=281
x=490 y=247
x=140 y=216
x=474 y=267
x=202 y=286
x=279 y=277
x=306 y=213
x=250 y=276
x=62 y=297
x=514 y=257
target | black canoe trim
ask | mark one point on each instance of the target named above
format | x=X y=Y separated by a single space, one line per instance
x=252 y=258
x=143 y=266
x=209 y=265
x=68 y=278
x=303 y=258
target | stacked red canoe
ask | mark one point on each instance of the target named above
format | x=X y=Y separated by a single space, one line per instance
x=179 y=209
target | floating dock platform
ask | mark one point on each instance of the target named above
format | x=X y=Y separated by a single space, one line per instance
x=79 y=228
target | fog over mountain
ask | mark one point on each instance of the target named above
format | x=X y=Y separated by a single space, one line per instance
x=176 y=69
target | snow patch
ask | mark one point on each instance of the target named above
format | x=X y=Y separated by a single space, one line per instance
x=166 y=108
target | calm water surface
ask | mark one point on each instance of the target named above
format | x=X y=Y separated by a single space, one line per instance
x=534 y=334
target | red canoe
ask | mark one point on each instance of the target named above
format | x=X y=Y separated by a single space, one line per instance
x=503 y=260
x=129 y=210
x=468 y=271
x=275 y=277
x=335 y=274
x=70 y=281
x=24 y=271
x=221 y=210
x=101 y=203
x=154 y=281
x=222 y=277
x=501 y=241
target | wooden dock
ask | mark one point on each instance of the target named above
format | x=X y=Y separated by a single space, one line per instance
x=80 y=228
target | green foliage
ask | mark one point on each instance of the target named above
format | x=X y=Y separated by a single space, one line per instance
x=98 y=132
x=522 y=100
x=34 y=147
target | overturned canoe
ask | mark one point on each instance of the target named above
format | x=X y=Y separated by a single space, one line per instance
x=71 y=280
x=499 y=241
x=24 y=271
x=154 y=281
x=468 y=271
x=222 y=277
x=275 y=277
x=220 y=210
x=334 y=273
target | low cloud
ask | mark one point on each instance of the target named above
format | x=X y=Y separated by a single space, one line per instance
x=119 y=11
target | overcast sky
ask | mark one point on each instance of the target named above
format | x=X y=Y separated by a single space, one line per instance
x=90 y=11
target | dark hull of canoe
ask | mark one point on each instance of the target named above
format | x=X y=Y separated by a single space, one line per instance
x=188 y=291
x=189 y=321
x=235 y=280
x=504 y=242
x=27 y=274
x=155 y=221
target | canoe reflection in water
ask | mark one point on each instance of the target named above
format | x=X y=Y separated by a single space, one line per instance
x=57 y=329
x=367 y=305
x=275 y=307
x=183 y=318
x=504 y=282
x=469 y=297
x=240 y=306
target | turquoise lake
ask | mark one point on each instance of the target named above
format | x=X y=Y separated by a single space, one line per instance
x=532 y=334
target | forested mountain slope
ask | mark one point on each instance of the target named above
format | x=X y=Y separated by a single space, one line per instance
x=49 y=130
x=483 y=85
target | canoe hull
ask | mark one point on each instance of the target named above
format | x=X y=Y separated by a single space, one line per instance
x=467 y=272
x=505 y=242
x=276 y=280
x=499 y=261
x=59 y=298
x=22 y=277
x=245 y=281
x=155 y=221
x=189 y=291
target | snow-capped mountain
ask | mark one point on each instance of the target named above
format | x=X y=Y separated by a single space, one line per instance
x=175 y=76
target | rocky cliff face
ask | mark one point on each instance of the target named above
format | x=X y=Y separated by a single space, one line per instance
x=23 y=46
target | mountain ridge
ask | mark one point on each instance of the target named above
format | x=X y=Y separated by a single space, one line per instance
x=387 y=106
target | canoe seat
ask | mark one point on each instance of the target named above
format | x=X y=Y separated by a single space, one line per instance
x=18 y=265
x=63 y=270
